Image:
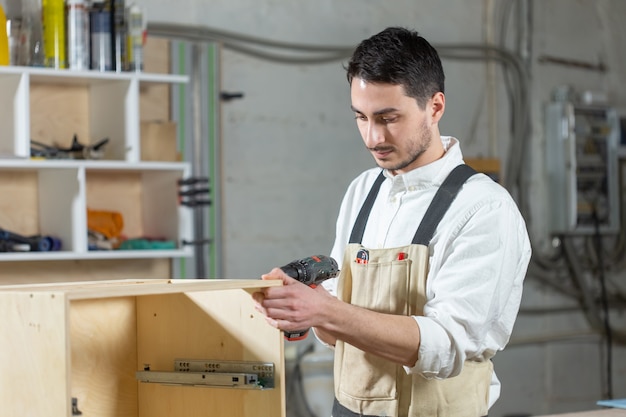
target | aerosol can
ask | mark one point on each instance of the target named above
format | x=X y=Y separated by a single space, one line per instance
x=54 y=33
x=4 y=39
x=101 y=35
x=77 y=34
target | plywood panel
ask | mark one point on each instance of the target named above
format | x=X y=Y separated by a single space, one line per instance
x=19 y=204
x=57 y=112
x=154 y=99
x=119 y=192
x=33 y=355
x=220 y=325
x=104 y=356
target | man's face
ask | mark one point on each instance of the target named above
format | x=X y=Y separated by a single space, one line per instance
x=394 y=128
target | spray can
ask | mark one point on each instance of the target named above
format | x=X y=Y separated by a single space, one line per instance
x=118 y=21
x=101 y=37
x=77 y=34
x=134 y=51
x=4 y=39
x=54 y=33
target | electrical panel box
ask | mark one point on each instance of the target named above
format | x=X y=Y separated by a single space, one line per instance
x=582 y=168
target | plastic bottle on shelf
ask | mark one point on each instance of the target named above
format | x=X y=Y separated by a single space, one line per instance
x=4 y=39
x=101 y=35
x=31 y=49
x=54 y=33
x=77 y=23
x=13 y=15
x=135 y=24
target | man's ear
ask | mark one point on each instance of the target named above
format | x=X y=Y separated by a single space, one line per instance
x=438 y=106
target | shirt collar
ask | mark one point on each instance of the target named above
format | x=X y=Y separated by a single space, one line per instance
x=432 y=174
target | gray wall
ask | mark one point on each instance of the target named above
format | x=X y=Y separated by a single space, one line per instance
x=290 y=147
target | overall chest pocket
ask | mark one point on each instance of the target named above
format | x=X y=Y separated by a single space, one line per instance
x=382 y=285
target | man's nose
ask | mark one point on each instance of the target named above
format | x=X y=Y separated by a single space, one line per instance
x=373 y=135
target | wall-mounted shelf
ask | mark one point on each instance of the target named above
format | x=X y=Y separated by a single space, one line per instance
x=51 y=197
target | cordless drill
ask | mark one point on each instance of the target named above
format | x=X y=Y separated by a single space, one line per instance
x=311 y=271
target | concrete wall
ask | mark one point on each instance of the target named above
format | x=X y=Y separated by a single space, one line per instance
x=290 y=147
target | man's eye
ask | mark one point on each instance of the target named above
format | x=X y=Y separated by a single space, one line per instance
x=360 y=117
x=388 y=120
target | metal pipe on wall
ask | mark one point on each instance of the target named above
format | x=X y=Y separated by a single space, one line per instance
x=199 y=221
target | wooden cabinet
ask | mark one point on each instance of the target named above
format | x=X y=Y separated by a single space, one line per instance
x=87 y=340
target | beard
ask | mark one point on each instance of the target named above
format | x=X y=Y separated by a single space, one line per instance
x=415 y=148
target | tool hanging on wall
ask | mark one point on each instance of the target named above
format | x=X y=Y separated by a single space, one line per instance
x=194 y=191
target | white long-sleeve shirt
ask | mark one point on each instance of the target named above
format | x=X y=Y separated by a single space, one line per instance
x=478 y=259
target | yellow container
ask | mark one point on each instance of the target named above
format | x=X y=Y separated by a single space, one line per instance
x=54 y=33
x=4 y=39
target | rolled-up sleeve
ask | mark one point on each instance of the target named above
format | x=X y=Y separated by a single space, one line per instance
x=474 y=287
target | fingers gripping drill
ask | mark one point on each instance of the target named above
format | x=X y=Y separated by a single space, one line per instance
x=311 y=271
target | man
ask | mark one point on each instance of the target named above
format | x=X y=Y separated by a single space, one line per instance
x=414 y=317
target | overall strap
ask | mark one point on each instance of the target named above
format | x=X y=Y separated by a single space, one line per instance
x=438 y=207
x=361 y=221
x=441 y=202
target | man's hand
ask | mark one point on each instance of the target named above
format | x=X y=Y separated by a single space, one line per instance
x=296 y=306
x=293 y=306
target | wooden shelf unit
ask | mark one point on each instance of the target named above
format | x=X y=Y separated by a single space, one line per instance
x=50 y=197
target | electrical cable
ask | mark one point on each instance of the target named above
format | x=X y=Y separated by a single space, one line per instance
x=605 y=307
x=587 y=298
x=320 y=54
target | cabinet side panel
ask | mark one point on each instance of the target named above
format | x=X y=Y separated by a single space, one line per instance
x=33 y=355
x=104 y=352
x=220 y=325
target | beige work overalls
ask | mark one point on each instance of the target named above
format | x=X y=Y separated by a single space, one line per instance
x=367 y=385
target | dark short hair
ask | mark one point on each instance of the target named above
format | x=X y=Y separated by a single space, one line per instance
x=399 y=56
